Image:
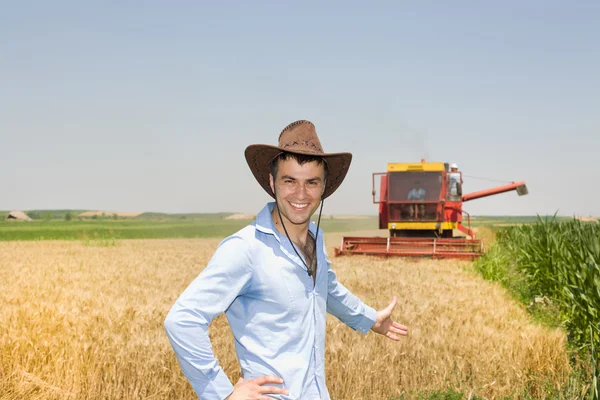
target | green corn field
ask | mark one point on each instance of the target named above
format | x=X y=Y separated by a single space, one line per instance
x=557 y=262
x=561 y=260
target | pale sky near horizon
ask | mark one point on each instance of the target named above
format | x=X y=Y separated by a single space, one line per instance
x=148 y=106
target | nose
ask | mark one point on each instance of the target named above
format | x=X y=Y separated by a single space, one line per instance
x=301 y=190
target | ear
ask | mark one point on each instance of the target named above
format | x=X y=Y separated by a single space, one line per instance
x=271 y=183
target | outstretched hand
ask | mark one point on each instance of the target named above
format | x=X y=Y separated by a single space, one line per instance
x=253 y=389
x=384 y=325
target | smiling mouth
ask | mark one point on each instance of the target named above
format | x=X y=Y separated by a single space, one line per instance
x=299 y=206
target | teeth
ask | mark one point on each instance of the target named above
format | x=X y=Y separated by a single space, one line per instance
x=299 y=205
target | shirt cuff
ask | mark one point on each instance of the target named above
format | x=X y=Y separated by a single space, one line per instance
x=368 y=320
x=219 y=388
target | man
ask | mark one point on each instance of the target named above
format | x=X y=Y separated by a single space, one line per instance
x=416 y=194
x=417 y=210
x=274 y=282
x=454 y=183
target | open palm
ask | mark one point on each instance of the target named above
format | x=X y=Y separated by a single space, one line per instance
x=384 y=325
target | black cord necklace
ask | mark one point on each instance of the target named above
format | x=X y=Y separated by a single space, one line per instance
x=309 y=270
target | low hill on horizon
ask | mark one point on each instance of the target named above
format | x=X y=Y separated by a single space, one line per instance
x=61 y=214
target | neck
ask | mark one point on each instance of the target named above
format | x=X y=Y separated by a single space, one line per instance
x=297 y=232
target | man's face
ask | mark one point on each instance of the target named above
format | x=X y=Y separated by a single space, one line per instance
x=298 y=189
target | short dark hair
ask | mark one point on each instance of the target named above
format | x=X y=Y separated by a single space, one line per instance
x=300 y=158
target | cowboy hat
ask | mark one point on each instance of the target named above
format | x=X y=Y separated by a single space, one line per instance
x=299 y=137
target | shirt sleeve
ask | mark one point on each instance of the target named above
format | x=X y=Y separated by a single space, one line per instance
x=346 y=306
x=226 y=276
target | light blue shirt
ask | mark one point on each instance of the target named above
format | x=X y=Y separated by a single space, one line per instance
x=454 y=181
x=416 y=194
x=276 y=313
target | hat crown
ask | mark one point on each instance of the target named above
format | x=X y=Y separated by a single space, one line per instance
x=300 y=136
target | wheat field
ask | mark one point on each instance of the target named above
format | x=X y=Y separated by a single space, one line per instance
x=85 y=321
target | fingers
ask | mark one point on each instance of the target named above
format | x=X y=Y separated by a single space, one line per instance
x=400 y=326
x=397 y=331
x=261 y=380
x=272 y=390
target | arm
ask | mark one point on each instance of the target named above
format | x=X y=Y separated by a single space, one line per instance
x=227 y=276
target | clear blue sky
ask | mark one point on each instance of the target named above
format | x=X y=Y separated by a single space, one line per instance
x=148 y=106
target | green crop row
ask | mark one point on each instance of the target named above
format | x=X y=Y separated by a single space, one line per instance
x=561 y=260
x=558 y=264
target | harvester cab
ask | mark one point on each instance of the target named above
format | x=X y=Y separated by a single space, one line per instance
x=421 y=205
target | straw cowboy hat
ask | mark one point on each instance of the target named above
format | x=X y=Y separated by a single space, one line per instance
x=299 y=137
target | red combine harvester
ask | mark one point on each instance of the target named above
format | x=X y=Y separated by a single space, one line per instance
x=421 y=204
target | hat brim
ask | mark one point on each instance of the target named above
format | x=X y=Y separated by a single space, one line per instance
x=259 y=157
